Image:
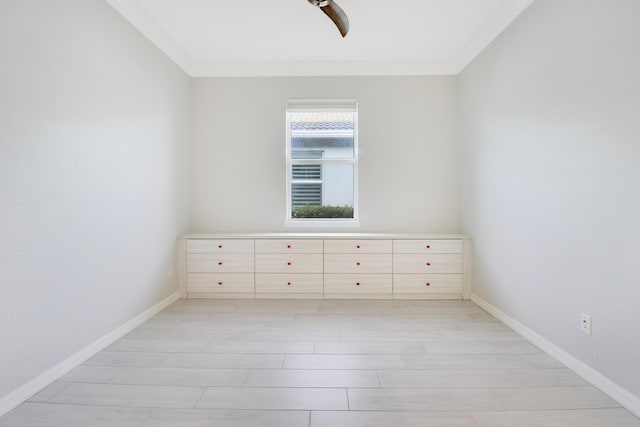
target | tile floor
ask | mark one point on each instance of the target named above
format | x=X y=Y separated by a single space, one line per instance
x=291 y=363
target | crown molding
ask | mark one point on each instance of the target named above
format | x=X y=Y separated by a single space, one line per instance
x=325 y=68
x=146 y=24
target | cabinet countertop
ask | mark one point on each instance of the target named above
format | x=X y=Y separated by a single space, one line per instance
x=324 y=236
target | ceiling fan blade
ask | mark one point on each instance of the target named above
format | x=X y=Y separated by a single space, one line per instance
x=337 y=15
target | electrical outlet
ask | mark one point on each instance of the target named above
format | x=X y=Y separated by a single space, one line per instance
x=585 y=324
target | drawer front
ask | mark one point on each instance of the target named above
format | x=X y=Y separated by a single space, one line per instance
x=288 y=263
x=229 y=246
x=219 y=263
x=357 y=263
x=220 y=283
x=357 y=283
x=436 y=263
x=427 y=283
x=289 y=283
x=363 y=246
x=289 y=246
x=427 y=246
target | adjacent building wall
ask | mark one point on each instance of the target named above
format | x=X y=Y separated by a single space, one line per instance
x=408 y=164
x=94 y=152
x=549 y=134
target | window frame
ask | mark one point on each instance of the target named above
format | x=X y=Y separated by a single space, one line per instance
x=321 y=105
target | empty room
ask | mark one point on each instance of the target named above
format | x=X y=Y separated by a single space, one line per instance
x=314 y=213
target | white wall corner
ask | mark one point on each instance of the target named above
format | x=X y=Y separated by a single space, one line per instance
x=628 y=400
x=143 y=22
x=21 y=394
x=491 y=29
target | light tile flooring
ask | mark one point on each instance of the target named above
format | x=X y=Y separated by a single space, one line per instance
x=300 y=363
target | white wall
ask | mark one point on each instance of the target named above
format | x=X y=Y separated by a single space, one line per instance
x=94 y=130
x=408 y=174
x=549 y=134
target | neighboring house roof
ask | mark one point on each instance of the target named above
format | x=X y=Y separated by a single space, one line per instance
x=322 y=121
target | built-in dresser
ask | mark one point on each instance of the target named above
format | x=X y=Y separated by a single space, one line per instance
x=319 y=265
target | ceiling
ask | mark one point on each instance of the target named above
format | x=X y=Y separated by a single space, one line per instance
x=292 y=37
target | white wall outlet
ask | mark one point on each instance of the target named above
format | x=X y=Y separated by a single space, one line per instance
x=585 y=324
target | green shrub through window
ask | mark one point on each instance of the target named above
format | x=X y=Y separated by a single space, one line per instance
x=319 y=211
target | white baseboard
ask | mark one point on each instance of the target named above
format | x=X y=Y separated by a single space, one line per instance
x=27 y=390
x=613 y=390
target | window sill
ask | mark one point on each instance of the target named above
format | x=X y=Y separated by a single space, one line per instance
x=313 y=223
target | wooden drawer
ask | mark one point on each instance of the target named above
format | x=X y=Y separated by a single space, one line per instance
x=289 y=246
x=220 y=283
x=357 y=283
x=357 y=263
x=357 y=246
x=289 y=283
x=235 y=246
x=288 y=263
x=220 y=263
x=427 y=246
x=427 y=284
x=436 y=263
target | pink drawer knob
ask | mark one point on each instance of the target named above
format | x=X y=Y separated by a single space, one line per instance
x=219 y=246
x=219 y=283
x=288 y=283
x=428 y=246
x=428 y=284
x=357 y=263
x=358 y=246
x=220 y=263
x=428 y=263
x=288 y=246
x=357 y=283
x=288 y=263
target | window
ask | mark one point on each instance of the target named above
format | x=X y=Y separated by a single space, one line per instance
x=322 y=162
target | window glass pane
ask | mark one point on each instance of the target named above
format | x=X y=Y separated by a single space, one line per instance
x=322 y=191
x=306 y=172
x=305 y=194
x=298 y=153
x=328 y=132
